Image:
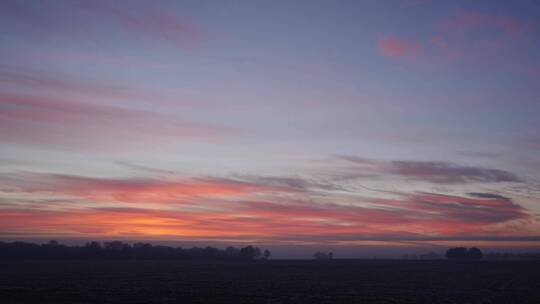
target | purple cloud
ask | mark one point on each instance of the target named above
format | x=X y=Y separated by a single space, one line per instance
x=433 y=172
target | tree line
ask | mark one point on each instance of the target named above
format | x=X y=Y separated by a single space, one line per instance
x=323 y=255
x=117 y=250
x=462 y=253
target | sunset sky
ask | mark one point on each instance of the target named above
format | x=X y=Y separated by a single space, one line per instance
x=335 y=123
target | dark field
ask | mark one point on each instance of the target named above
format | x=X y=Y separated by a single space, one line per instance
x=336 y=281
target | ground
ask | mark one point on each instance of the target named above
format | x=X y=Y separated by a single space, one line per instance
x=336 y=281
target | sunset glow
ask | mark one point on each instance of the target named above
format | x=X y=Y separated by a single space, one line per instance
x=274 y=122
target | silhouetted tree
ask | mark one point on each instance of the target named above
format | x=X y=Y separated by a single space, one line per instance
x=232 y=252
x=458 y=253
x=92 y=250
x=266 y=254
x=250 y=252
x=474 y=253
x=117 y=250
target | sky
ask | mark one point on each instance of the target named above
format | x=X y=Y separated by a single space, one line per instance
x=285 y=123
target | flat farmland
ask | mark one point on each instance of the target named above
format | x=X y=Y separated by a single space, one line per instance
x=334 y=281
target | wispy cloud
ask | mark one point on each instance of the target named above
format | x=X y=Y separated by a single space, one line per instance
x=23 y=79
x=433 y=172
x=394 y=47
x=293 y=182
x=482 y=209
x=467 y=37
x=67 y=124
x=134 y=190
x=156 y=23
x=488 y=195
x=479 y=154
x=53 y=19
x=144 y=169
x=466 y=21
x=442 y=172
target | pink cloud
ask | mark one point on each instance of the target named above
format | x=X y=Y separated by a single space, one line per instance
x=477 y=210
x=87 y=57
x=70 y=86
x=399 y=48
x=464 y=21
x=67 y=124
x=477 y=37
x=531 y=141
x=136 y=190
x=61 y=83
x=472 y=38
x=155 y=24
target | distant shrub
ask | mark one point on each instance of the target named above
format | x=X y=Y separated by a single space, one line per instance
x=462 y=253
x=323 y=256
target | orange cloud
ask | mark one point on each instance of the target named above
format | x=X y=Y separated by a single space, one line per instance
x=258 y=208
x=134 y=190
x=412 y=217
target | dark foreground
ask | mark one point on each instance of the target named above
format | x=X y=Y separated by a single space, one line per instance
x=337 y=281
